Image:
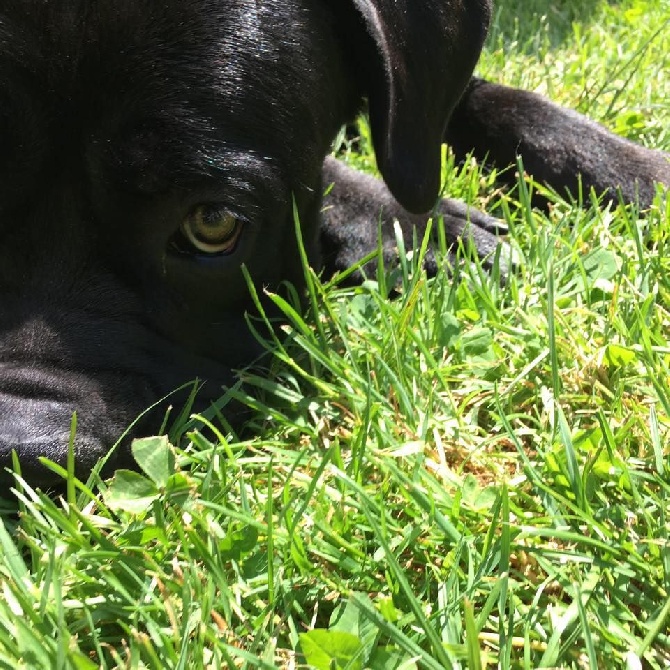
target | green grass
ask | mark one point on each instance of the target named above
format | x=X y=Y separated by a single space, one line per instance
x=470 y=475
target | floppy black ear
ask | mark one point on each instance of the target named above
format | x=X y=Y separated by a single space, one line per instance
x=425 y=52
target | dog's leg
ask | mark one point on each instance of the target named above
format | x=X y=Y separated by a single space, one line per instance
x=497 y=123
x=356 y=204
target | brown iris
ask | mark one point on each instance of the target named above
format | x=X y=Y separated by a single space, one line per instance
x=211 y=229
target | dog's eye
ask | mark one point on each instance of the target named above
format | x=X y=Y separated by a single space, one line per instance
x=211 y=229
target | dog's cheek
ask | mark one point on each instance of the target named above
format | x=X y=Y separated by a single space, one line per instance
x=203 y=303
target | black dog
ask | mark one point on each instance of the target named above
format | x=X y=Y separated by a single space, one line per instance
x=150 y=149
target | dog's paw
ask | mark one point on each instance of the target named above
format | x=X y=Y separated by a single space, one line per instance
x=357 y=207
x=475 y=230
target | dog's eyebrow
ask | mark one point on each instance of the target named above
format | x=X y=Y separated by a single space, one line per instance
x=151 y=158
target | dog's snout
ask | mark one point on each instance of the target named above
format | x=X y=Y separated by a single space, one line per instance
x=57 y=359
x=28 y=424
x=37 y=406
x=40 y=427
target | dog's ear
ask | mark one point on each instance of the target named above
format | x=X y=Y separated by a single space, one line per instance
x=424 y=53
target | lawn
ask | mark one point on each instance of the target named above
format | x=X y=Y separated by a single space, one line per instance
x=447 y=472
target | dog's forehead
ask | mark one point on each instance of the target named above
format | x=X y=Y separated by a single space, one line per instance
x=72 y=66
x=63 y=44
x=69 y=21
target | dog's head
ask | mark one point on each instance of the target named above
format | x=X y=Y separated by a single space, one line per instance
x=149 y=149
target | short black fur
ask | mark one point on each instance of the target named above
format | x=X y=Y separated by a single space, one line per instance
x=123 y=122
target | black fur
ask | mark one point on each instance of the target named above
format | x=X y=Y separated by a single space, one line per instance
x=558 y=146
x=120 y=119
